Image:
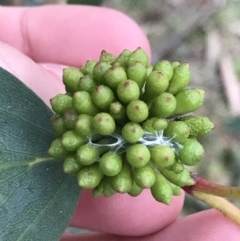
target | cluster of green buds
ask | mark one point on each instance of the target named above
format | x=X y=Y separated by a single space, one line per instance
x=124 y=125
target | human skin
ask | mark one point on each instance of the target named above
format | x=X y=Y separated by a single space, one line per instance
x=35 y=45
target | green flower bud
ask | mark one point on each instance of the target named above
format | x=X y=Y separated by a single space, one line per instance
x=138 y=73
x=165 y=67
x=122 y=59
x=178 y=131
x=138 y=155
x=71 y=77
x=83 y=125
x=114 y=76
x=148 y=125
x=137 y=111
x=108 y=191
x=118 y=112
x=175 y=64
x=99 y=71
x=98 y=190
x=87 y=154
x=61 y=103
x=107 y=57
x=189 y=100
x=191 y=153
x=182 y=179
x=156 y=83
x=132 y=132
x=162 y=156
x=162 y=190
x=102 y=97
x=123 y=181
x=110 y=164
x=177 y=167
x=181 y=78
x=71 y=165
x=199 y=125
x=160 y=124
x=69 y=119
x=144 y=176
x=83 y=104
x=58 y=125
x=89 y=177
x=71 y=141
x=56 y=150
x=138 y=55
x=175 y=189
x=163 y=105
x=128 y=91
x=86 y=83
x=135 y=190
x=149 y=70
x=103 y=124
x=89 y=66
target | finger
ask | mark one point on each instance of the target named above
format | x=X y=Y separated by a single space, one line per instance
x=69 y=34
x=125 y=215
x=203 y=226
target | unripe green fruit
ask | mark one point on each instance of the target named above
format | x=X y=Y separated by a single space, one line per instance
x=178 y=131
x=165 y=67
x=71 y=77
x=114 y=76
x=57 y=150
x=83 y=104
x=58 y=125
x=108 y=191
x=102 y=97
x=71 y=165
x=87 y=154
x=189 y=100
x=191 y=153
x=144 y=176
x=88 y=68
x=175 y=189
x=138 y=155
x=161 y=189
x=138 y=55
x=162 y=156
x=181 y=78
x=86 y=83
x=69 y=119
x=137 y=111
x=199 y=125
x=157 y=83
x=159 y=124
x=61 y=103
x=71 y=141
x=175 y=64
x=177 y=167
x=99 y=70
x=110 y=164
x=103 y=124
x=149 y=70
x=83 y=125
x=182 y=179
x=148 y=125
x=122 y=59
x=128 y=91
x=138 y=73
x=163 y=105
x=135 y=190
x=107 y=57
x=98 y=190
x=89 y=177
x=118 y=112
x=123 y=181
x=132 y=132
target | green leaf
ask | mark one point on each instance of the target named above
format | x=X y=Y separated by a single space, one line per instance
x=37 y=199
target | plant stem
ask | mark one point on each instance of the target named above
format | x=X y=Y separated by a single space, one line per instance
x=219 y=203
x=205 y=186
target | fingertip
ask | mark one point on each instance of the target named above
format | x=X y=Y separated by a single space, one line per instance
x=122 y=214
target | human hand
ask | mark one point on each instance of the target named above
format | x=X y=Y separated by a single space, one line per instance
x=36 y=44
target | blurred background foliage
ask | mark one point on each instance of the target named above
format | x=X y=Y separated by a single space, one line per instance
x=207 y=35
